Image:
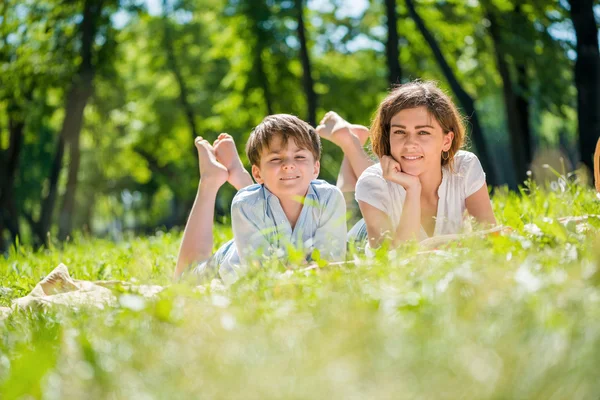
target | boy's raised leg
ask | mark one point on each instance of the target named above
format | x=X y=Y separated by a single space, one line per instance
x=227 y=154
x=197 y=242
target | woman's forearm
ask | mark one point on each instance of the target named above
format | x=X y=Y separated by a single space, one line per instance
x=410 y=220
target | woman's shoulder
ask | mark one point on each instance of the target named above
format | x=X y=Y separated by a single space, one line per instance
x=462 y=156
x=371 y=178
x=464 y=161
x=372 y=171
x=467 y=173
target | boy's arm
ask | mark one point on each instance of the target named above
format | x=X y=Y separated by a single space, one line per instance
x=330 y=237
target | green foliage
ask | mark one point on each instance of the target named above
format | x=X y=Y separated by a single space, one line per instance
x=235 y=58
x=509 y=316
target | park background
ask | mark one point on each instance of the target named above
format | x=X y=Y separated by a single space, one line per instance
x=100 y=100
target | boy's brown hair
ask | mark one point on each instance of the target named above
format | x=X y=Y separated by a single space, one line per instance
x=412 y=95
x=288 y=126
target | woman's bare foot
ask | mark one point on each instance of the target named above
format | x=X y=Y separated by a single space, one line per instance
x=211 y=171
x=362 y=132
x=337 y=130
x=227 y=154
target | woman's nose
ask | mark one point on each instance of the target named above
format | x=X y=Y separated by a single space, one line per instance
x=411 y=140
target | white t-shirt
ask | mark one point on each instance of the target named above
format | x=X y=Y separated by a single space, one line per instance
x=467 y=178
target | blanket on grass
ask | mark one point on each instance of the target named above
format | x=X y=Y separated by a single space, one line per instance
x=59 y=288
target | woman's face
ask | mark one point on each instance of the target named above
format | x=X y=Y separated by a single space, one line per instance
x=417 y=141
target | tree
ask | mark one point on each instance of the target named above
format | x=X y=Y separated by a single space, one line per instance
x=463 y=97
x=514 y=91
x=9 y=158
x=587 y=77
x=31 y=66
x=8 y=209
x=307 y=79
x=391 y=45
x=258 y=14
x=77 y=98
x=173 y=65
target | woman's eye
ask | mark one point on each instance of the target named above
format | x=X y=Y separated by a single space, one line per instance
x=399 y=132
x=423 y=133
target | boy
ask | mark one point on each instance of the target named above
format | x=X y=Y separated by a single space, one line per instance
x=286 y=206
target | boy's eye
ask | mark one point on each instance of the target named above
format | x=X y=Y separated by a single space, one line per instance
x=275 y=159
x=300 y=157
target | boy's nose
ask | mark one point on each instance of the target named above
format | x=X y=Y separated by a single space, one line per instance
x=288 y=163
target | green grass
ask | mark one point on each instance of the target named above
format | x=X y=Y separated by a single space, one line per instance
x=508 y=317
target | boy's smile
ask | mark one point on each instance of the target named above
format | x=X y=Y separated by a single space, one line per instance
x=286 y=170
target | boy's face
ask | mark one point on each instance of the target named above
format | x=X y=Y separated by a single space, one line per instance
x=286 y=170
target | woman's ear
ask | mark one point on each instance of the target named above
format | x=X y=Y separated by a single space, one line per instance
x=256 y=174
x=447 y=143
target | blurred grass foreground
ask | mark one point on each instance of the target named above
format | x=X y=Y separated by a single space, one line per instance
x=510 y=316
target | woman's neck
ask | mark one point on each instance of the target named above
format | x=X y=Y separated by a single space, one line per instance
x=430 y=182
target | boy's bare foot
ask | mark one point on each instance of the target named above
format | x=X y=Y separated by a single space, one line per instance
x=337 y=130
x=227 y=154
x=211 y=171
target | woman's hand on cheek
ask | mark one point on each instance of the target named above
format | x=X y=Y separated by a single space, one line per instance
x=393 y=173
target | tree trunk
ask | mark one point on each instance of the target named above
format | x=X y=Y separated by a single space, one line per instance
x=77 y=99
x=587 y=77
x=311 y=97
x=65 y=221
x=88 y=214
x=42 y=226
x=463 y=97
x=391 y=46
x=516 y=105
x=174 y=66
x=262 y=77
x=523 y=106
x=597 y=166
x=9 y=218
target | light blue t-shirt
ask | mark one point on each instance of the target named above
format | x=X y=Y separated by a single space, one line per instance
x=260 y=226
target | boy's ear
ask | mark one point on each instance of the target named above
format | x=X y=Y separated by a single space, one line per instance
x=256 y=174
x=317 y=169
x=448 y=138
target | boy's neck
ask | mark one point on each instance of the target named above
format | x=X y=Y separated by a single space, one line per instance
x=292 y=207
